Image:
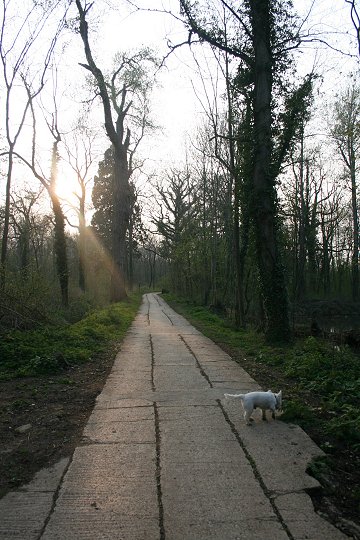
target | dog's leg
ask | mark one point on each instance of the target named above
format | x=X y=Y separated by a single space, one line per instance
x=247 y=415
x=264 y=415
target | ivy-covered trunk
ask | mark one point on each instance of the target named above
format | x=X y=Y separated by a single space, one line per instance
x=271 y=272
x=60 y=250
x=82 y=242
x=59 y=231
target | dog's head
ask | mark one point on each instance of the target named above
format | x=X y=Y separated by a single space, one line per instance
x=278 y=398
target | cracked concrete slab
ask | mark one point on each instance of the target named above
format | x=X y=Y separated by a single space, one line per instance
x=121 y=414
x=23 y=512
x=213 y=530
x=295 y=509
x=165 y=456
x=122 y=432
x=196 y=452
x=102 y=402
x=288 y=451
x=101 y=526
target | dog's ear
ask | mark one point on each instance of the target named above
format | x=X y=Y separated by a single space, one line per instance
x=280 y=393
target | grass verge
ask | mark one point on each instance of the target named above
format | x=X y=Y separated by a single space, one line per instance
x=51 y=349
x=50 y=379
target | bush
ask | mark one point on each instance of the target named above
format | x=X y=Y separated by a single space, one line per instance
x=298 y=412
x=345 y=426
x=79 y=308
x=26 y=303
x=43 y=365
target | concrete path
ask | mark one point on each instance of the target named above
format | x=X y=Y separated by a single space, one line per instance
x=164 y=456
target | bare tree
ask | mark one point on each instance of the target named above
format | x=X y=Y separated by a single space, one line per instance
x=346 y=134
x=117 y=92
x=80 y=155
x=16 y=46
x=24 y=225
x=176 y=211
x=49 y=181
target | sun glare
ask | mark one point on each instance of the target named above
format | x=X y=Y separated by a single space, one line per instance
x=66 y=190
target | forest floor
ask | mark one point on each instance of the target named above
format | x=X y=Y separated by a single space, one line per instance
x=51 y=412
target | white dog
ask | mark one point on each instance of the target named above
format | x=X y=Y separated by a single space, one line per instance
x=262 y=400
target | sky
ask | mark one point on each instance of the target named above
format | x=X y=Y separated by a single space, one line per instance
x=173 y=103
x=176 y=110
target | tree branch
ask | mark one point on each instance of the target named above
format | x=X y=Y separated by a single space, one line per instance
x=97 y=73
x=355 y=20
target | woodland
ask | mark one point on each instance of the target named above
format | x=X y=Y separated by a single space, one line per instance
x=259 y=222
x=252 y=231
x=255 y=223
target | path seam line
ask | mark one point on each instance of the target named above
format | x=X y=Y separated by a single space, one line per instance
x=148 y=310
x=255 y=470
x=55 y=498
x=158 y=472
x=166 y=315
x=153 y=387
x=201 y=369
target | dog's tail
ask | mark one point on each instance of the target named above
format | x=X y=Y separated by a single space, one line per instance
x=240 y=396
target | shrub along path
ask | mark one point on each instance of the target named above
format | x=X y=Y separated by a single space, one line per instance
x=163 y=455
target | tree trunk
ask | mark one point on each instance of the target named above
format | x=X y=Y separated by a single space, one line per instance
x=355 y=218
x=120 y=139
x=60 y=250
x=120 y=223
x=271 y=271
x=130 y=271
x=243 y=180
x=311 y=236
x=60 y=239
x=5 y=236
x=24 y=243
x=301 y=255
x=82 y=242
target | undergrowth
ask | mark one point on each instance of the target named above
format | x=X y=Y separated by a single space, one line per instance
x=50 y=349
x=330 y=373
